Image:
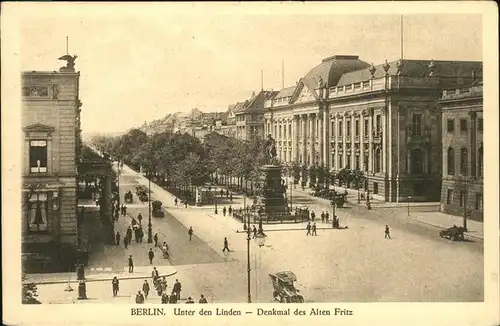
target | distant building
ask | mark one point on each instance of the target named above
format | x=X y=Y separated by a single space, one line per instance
x=228 y=124
x=51 y=151
x=462 y=144
x=250 y=116
x=383 y=120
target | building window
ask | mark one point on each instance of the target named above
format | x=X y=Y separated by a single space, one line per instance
x=333 y=129
x=463 y=125
x=290 y=129
x=38 y=156
x=279 y=133
x=375 y=188
x=379 y=125
x=37 y=212
x=480 y=124
x=462 y=198
x=366 y=126
x=417 y=161
x=463 y=160
x=479 y=202
x=348 y=128
x=451 y=161
x=356 y=128
x=416 y=127
x=341 y=127
x=356 y=160
x=377 y=160
x=450 y=124
x=480 y=161
x=449 y=196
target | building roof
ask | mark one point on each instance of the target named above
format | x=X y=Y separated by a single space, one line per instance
x=331 y=70
x=416 y=68
x=239 y=106
x=256 y=103
x=285 y=92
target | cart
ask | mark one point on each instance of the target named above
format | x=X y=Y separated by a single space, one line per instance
x=454 y=233
x=284 y=290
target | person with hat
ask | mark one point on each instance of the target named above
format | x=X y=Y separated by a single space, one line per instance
x=189 y=300
x=202 y=299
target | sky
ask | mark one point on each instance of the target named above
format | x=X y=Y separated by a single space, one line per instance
x=144 y=62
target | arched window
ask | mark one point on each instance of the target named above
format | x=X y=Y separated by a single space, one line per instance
x=377 y=160
x=451 y=161
x=463 y=160
x=480 y=161
x=417 y=161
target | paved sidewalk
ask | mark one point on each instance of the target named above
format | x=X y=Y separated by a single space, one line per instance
x=444 y=221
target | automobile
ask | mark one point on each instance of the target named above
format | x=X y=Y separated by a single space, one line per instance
x=454 y=233
x=128 y=197
x=284 y=289
x=157 y=211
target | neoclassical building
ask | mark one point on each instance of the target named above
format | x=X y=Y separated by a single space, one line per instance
x=462 y=187
x=384 y=120
x=249 y=116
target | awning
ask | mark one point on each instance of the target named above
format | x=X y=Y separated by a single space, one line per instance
x=29 y=187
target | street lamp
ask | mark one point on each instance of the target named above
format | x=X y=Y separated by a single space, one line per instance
x=215 y=200
x=150 y=227
x=260 y=239
x=409 y=197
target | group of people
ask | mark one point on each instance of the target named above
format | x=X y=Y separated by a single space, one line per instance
x=135 y=230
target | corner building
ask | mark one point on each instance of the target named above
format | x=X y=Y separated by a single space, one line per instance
x=384 y=120
x=462 y=188
x=51 y=147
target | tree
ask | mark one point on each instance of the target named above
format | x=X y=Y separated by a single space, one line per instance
x=296 y=172
x=313 y=173
x=29 y=292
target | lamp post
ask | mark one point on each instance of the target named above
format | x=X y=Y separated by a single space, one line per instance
x=409 y=197
x=367 y=189
x=118 y=173
x=260 y=240
x=150 y=227
x=245 y=214
x=215 y=198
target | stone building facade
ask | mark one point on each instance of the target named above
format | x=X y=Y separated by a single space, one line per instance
x=384 y=120
x=249 y=116
x=51 y=147
x=462 y=155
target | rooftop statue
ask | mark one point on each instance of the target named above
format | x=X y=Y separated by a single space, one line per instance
x=70 y=61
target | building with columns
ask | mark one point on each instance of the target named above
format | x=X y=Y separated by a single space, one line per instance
x=462 y=138
x=51 y=127
x=384 y=120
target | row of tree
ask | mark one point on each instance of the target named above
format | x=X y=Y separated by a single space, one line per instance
x=185 y=161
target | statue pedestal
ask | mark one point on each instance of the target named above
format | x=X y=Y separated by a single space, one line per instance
x=272 y=199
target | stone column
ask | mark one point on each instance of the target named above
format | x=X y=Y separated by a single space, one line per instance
x=344 y=141
x=371 y=165
x=383 y=138
x=325 y=141
x=304 y=138
x=313 y=138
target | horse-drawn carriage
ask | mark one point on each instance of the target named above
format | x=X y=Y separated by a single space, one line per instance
x=338 y=199
x=454 y=233
x=128 y=197
x=284 y=290
x=157 y=211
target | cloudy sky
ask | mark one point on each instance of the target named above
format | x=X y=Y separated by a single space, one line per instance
x=140 y=62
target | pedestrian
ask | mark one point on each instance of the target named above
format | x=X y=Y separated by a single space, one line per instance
x=130 y=264
x=141 y=234
x=164 y=284
x=231 y=197
x=189 y=300
x=155 y=275
x=322 y=217
x=327 y=217
x=129 y=233
x=254 y=232
x=387 y=232
x=117 y=238
x=308 y=228
x=124 y=210
x=139 y=298
x=116 y=215
x=313 y=216
x=226 y=247
x=176 y=201
x=186 y=203
x=190 y=232
x=164 y=298
x=136 y=234
x=224 y=210
x=177 y=289
x=202 y=299
x=155 y=239
x=221 y=193
x=227 y=193
x=139 y=218
x=230 y=210
x=116 y=286
x=151 y=255
x=125 y=242
x=314 y=229
x=145 y=288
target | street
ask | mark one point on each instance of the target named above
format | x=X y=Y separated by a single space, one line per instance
x=355 y=264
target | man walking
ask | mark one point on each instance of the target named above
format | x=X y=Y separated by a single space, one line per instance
x=313 y=216
x=322 y=217
x=139 y=218
x=226 y=245
x=145 y=289
x=314 y=229
x=130 y=264
x=116 y=286
x=139 y=298
x=387 y=232
x=224 y=210
x=155 y=239
x=308 y=228
x=327 y=217
x=117 y=238
x=151 y=255
x=124 y=210
x=190 y=232
x=176 y=201
x=125 y=242
x=177 y=289
x=155 y=275
x=230 y=210
x=254 y=232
